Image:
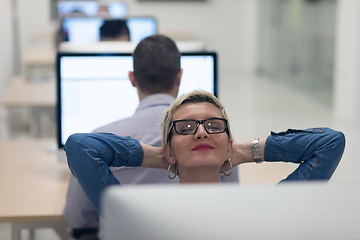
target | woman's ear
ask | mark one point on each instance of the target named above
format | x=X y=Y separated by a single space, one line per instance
x=230 y=148
x=168 y=154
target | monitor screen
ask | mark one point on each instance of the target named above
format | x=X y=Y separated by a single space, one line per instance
x=83 y=30
x=92 y=86
x=141 y=27
x=90 y=8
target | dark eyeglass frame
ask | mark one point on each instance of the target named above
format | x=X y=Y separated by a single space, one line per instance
x=198 y=122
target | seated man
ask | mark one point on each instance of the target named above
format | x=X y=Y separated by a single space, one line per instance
x=114 y=30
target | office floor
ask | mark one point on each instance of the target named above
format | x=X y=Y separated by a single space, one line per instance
x=262 y=106
x=41 y=234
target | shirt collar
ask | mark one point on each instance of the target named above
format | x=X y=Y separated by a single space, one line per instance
x=154 y=100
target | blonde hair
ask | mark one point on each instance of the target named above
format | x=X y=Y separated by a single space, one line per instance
x=196 y=96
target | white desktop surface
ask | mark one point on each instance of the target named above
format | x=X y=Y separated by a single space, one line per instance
x=123 y=47
x=33 y=185
x=23 y=93
x=102 y=47
x=38 y=56
x=32 y=182
x=212 y=212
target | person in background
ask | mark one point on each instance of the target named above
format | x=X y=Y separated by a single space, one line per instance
x=156 y=76
x=103 y=11
x=114 y=30
x=111 y=30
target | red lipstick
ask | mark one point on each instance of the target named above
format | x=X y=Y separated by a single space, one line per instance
x=203 y=147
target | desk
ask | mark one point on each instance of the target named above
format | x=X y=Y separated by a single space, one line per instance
x=22 y=93
x=38 y=63
x=32 y=186
x=38 y=56
x=36 y=98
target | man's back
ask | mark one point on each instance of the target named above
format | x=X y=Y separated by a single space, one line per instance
x=144 y=126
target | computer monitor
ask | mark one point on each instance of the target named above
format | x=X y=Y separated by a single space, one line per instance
x=93 y=89
x=84 y=30
x=191 y=212
x=117 y=9
x=141 y=27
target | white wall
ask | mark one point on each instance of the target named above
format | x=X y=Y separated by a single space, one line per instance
x=34 y=22
x=5 y=43
x=347 y=71
x=6 y=58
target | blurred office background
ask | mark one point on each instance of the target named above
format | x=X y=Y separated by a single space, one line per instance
x=282 y=64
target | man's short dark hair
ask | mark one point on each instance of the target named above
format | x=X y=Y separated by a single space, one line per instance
x=156 y=64
x=114 y=28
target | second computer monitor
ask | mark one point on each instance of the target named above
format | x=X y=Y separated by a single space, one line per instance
x=84 y=30
x=66 y=8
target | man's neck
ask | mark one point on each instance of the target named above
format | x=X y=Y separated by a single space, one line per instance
x=143 y=95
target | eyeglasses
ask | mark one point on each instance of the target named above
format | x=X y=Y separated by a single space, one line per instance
x=190 y=126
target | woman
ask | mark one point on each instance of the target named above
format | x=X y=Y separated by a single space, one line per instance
x=198 y=147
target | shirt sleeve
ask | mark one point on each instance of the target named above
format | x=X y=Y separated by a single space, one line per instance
x=90 y=155
x=318 y=152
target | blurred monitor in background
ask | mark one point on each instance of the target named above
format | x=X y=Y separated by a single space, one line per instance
x=85 y=30
x=116 y=9
x=142 y=27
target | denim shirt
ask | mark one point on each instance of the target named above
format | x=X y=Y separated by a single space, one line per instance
x=91 y=154
x=317 y=151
